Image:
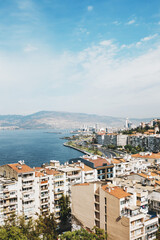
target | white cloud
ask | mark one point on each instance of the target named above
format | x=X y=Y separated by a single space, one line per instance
x=131 y=22
x=106 y=43
x=139 y=43
x=146 y=39
x=30 y=48
x=149 y=37
x=95 y=80
x=116 y=23
x=90 y=8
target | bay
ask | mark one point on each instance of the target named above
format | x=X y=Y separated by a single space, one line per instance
x=35 y=147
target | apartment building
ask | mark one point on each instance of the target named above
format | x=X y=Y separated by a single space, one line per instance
x=127 y=165
x=49 y=188
x=154 y=202
x=115 y=139
x=112 y=209
x=25 y=180
x=152 y=158
x=100 y=138
x=149 y=141
x=105 y=168
x=8 y=198
x=31 y=191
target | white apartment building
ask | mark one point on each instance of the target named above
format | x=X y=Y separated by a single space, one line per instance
x=8 y=198
x=25 y=181
x=115 y=139
x=154 y=201
x=32 y=191
x=127 y=165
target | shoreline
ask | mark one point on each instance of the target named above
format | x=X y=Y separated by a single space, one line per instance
x=66 y=145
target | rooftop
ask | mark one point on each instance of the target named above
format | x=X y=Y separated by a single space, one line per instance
x=149 y=155
x=98 y=161
x=116 y=191
x=20 y=168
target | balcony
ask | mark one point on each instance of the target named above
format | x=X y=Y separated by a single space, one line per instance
x=57 y=191
x=97 y=208
x=152 y=229
x=136 y=226
x=57 y=197
x=57 y=209
x=96 y=198
x=97 y=216
x=29 y=178
x=44 y=182
x=136 y=236
x=28 y=199
x=44 y=202
x=71 y=177
x=43 y=189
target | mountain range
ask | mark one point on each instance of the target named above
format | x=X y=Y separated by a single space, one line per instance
x=55 y=119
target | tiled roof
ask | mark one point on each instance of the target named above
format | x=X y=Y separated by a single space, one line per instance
x=98 y=162
x=147 y=175
x=38 y=168
x=85 y=167
x=117 y=161
x=52 y=172
x=152 y=156
x=157 y=182
x=39 y=174
x=116 y=191
x=20 y=168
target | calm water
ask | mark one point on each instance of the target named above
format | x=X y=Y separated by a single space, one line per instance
x=34 y=147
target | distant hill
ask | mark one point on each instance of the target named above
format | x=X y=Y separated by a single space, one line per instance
x=54 y=119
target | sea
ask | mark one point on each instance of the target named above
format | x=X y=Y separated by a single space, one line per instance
x=35 y=147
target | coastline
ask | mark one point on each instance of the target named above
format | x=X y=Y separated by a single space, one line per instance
x=66 y=145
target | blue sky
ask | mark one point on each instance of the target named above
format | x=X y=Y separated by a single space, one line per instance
x=100 y=56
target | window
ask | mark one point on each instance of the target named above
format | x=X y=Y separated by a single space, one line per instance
x=105 y=227
x=101 y=176
x=122 y=202
x=105 y=200
x=105 y=209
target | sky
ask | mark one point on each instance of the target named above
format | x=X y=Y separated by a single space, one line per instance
x=88 y=56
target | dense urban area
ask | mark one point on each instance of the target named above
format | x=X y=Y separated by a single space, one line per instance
x=111 y=192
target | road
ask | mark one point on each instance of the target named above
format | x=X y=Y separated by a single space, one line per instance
x=110 y=153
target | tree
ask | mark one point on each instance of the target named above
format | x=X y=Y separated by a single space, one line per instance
x=96 y=234
x=28 y=228
x=11 y=233
x=65 y=213
x=158 y=234
x=47 y=227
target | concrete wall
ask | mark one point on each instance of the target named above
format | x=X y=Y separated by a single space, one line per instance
x=83 y=204
x=10 y=173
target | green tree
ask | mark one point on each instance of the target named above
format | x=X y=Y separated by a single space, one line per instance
x=158 y=234
x=65 y=213
x=46 y=226
x=97 y=234
x=28 y=228
x=11 y=233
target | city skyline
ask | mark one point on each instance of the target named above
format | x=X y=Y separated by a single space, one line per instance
x=97 y=57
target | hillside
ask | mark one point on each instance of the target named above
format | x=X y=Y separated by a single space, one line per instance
x=54 y=119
